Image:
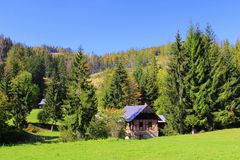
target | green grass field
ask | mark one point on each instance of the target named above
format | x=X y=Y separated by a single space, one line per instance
x=224 y=144
x=33 y=116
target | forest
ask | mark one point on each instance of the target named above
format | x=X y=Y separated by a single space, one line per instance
x=194 y=82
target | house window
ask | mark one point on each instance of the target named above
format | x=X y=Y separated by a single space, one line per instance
x=149 y=125
x=140 y=125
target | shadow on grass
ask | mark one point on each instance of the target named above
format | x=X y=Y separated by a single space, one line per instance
x=17 y=137
x=45 y=126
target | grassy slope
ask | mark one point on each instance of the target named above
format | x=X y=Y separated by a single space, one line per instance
x=224 y=144
x=50 y=136
x=33 y=116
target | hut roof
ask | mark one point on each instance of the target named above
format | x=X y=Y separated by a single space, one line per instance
x=133 y=111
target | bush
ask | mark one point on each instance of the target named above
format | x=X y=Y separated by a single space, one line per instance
x=108 y=123
x=97 y=129
x=114 y=122
x=66 y=130
x=66 y=134
x=168 y=131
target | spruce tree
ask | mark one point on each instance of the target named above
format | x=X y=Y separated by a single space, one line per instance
x=117 y=95
x=176 y=89
x=197 y=79
x=228 y=113
x=198 y=48
x=54 y=101
x=147 y=81
x=81 y=103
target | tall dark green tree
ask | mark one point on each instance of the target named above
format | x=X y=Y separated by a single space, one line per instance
x=36 y=67
x=148 y=83
x=54 y=101
x=81 y=103
x=117 y=95
x=227 y=108
x=176 y=89
x=198 y=81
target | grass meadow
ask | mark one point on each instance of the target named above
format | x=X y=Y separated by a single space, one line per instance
x=222 y=144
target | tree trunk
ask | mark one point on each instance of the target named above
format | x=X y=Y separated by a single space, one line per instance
x=181 y=124
x=193 y=130
x=52 y=126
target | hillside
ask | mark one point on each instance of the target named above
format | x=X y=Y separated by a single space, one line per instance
x=222 y=144
x=98 y=78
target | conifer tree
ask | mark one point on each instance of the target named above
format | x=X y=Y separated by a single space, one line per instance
x=198 y=80
x=81 y=103
x=228 y=113
x=147 y=81
x=54 y=101
x=176 y=89
x=200 y=50
x=117 y=95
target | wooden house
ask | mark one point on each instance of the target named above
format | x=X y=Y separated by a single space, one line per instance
x=141 y=122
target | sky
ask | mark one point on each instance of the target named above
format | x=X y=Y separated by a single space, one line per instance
x=104 y=26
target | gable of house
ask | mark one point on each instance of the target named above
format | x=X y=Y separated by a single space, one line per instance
x=141 y=122
x=139 y=112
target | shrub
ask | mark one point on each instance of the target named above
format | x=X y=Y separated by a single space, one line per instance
x=97 y=129
x=114 y=121
x=168 y=131
x=66 y=130
x=65 y=134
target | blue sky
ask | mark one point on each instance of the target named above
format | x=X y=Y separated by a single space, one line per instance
x=102 y=26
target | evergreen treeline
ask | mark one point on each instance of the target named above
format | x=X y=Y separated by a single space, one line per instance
x=202 y=87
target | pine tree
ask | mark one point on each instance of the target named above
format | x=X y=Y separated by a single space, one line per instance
x=81 y=103
x=147 y=81
x=228 y=99
x=198 y=47
x=54 y=101
x=36 y=67
x=117 y=95
x=176 y=89
x=197 y=78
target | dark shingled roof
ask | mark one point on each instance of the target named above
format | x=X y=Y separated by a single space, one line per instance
x=132 y=111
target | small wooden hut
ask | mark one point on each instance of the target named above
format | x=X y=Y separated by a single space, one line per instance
x=141 y=122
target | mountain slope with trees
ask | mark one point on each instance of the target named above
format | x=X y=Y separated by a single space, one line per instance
x=194 y=82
